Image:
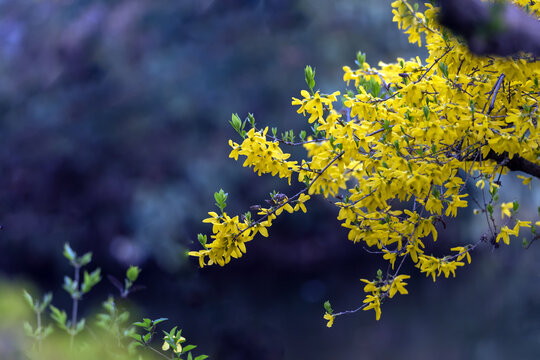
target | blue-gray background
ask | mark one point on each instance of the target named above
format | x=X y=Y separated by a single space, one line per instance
x=114 y=123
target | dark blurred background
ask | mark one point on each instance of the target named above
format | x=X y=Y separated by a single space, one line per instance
x=114 y=123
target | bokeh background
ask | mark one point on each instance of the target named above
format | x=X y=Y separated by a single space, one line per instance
x=114 y=126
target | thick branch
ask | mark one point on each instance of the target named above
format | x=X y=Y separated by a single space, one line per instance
x=517 y=163
x=492 y=28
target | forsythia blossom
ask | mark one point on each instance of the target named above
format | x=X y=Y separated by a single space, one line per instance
x=396 y=151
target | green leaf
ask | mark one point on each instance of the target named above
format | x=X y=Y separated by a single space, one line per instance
x=302 y=135
x=201 y=357
x=444 y=69
x=70 y=286
x=221 y=197
x=426 y=112
x=146 y=337
x=309 y=73
x=160 y=320
x=173 y=332
x=135 y=336
x=29 y=299
x=360 y=59
x=187 y=348
x=80 y=326
x=109 y=305
x=59 y=317
x=251 y=119
x=202 y=239
x=47 y=331
x=515 y=206
x=69 y=253
x=236 y=122
x=85 y=259
x=328 y=307
x=47 y=298
x=123 y=317
x=133 y=273
x=90 y=280
x=28 y=329
x=189 y=357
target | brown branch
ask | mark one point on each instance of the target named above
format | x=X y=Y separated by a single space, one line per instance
x=516 y=163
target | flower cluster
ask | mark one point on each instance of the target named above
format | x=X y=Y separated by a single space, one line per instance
x=230 y=234
x=398 y=148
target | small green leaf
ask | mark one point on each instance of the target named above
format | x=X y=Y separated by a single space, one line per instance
x=28 y=329
x=172 y=333
x=444 y=69
x=251 y=119
x=80 y=326
x=85 y=259
x=123 y=317
x=135 y=336
x=426 y=112
x=201 y=357
x=236 y=122
x=328 y=307
x=47 y=331
x=133 y=273
x=146 y=337
x=160 y=320
x=70 y=286
x=202 y=239
x=187 y=348
x=515 y=206
x=69 y=253
x=28 y=299
x=220 y=198
x=360 y=59
x=59 y=317
x=309 y=73
x=90 y=280
x=47 y=298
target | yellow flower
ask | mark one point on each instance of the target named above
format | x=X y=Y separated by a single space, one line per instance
x=330 y=319
x=462 y=252
x=374 y=302
x=480 y=183
x=505 y=209
x=398 y=285
x=300 y=203
x=505 y=235
x=526 y=180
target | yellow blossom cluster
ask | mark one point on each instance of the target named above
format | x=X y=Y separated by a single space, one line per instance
x=398 y=148
x=378 y=289
x=230 y=234
x=266 y=157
